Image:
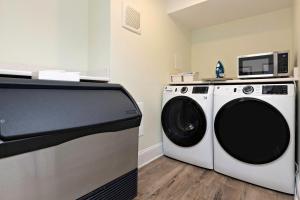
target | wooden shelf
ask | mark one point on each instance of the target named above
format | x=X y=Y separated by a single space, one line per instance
x=238 y=81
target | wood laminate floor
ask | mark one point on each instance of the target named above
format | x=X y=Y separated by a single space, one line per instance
x=167 y=179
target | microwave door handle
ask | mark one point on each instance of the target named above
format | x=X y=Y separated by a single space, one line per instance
x=275 y=72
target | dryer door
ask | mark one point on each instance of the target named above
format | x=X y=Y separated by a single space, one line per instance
x=183 y=121
x=252 y=131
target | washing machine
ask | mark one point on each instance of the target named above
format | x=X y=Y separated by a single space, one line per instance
x=187 y=124
x=254 y=134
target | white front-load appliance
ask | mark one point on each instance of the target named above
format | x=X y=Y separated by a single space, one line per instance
x=187 y=124
x=254 y=134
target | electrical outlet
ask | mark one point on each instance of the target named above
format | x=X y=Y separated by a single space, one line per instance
x=141 y=128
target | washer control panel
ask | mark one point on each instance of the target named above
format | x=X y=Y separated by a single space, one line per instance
x=248 y=89
x=184 y=90
x=200 y=90
x=275 y=89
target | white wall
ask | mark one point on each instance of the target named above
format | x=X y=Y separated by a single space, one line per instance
x=99 y=37
x=263 y=33
x=52 y=33
x=55 y=34
x=142 y=63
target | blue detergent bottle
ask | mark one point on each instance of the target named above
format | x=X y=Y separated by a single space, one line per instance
x=220 y=70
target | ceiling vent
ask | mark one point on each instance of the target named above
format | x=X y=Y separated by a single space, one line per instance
x=131 y=18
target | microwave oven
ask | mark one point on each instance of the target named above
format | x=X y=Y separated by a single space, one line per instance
x=272 y=64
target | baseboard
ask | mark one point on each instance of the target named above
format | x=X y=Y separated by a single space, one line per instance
x=150 y=154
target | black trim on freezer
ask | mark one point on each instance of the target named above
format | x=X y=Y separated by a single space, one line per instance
x=122 y=188
x=37 y=114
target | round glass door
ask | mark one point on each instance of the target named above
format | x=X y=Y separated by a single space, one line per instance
x=183 y=121
x=252 y=131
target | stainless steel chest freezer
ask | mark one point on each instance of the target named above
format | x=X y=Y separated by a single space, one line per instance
x=63 y=140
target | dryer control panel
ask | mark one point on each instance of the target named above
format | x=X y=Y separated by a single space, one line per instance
x=200 y=90
x=256 y=89
x=275 y=89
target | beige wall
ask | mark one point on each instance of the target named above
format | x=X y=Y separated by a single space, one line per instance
x=297 y=50
x=297 y=53
x=263 y=33
x=142 y=63
x=297 y=31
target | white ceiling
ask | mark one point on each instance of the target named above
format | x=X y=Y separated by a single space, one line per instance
x=196 y=14
x=175 y=5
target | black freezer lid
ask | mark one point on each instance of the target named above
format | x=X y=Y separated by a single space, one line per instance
x=36 y=110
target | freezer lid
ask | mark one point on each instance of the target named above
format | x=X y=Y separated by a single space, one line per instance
x=36 y=114
x=30 y=108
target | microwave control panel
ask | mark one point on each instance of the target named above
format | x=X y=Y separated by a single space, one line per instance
x=283 y=63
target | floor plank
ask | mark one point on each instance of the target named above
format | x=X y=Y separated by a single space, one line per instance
x=165 y=179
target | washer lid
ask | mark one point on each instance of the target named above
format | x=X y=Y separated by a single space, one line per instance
x=252 y=131
x=183 y=121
